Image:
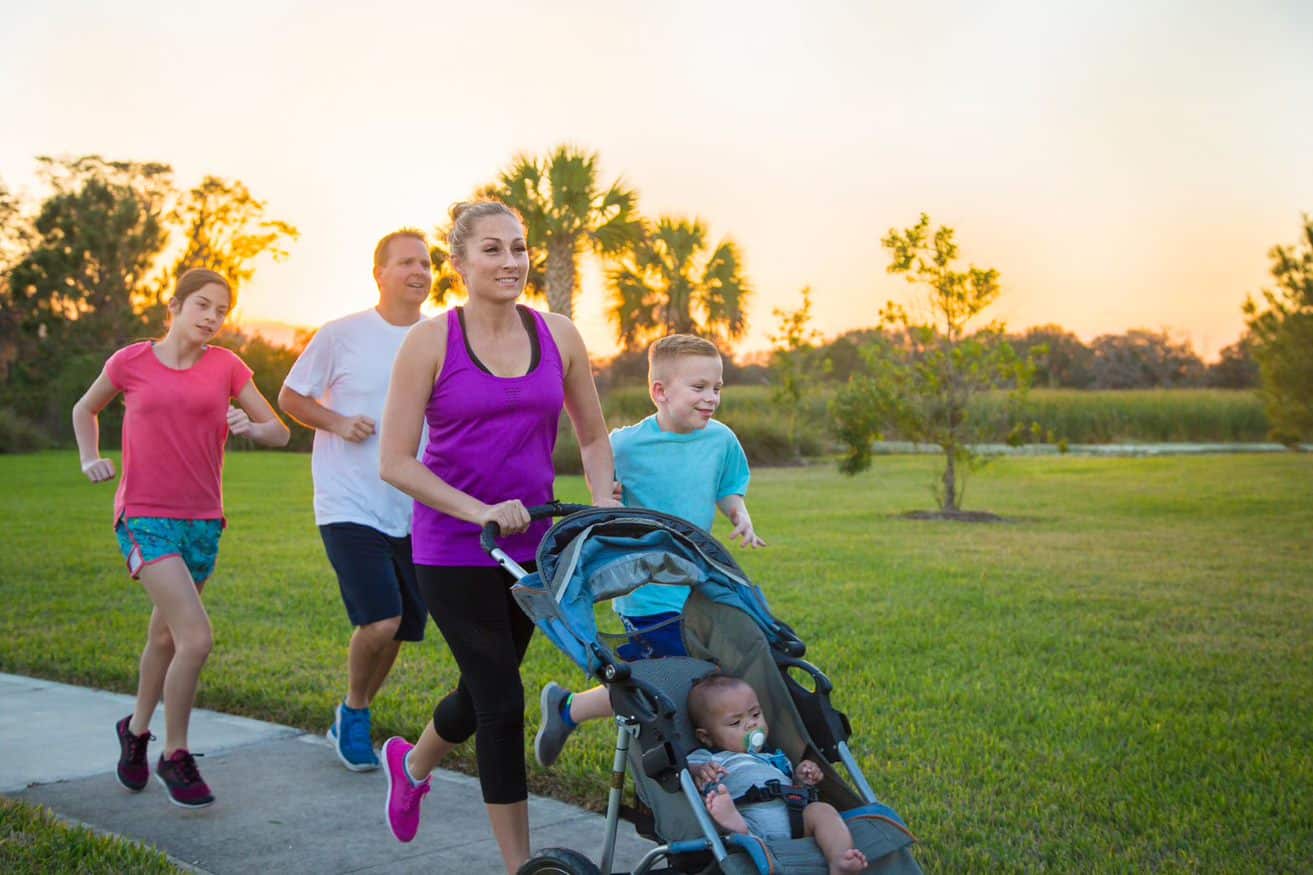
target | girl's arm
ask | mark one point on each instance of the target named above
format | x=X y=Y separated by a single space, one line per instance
x=416 y=369
x=585 y=411
x=86 y=428
x=256 y=418
x=734 y=507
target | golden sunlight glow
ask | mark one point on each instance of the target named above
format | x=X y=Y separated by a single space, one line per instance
x=1091 y=155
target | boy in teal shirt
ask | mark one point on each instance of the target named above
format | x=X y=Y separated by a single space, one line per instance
x=678 y=461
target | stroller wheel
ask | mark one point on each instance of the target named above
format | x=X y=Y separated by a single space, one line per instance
x=558 y=861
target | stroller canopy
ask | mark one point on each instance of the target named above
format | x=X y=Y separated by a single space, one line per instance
x=603 y=553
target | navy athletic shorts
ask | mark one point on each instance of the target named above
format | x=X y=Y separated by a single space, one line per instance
x=376 y=576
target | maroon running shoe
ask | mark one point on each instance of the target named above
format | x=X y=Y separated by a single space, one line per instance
x=133 y=771
x=182 y=779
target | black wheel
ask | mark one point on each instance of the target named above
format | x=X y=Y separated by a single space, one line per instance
x=558 y=861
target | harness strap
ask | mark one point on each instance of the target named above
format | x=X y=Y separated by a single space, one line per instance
x=795 y=797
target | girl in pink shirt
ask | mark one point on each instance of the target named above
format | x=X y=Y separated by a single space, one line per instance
x=168 y=510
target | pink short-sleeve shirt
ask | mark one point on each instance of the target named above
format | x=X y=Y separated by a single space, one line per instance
x=175 y=426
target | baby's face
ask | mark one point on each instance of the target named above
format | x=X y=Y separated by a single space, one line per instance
x=736 y=713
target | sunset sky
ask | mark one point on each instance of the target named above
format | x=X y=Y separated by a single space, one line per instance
x=1122 y=165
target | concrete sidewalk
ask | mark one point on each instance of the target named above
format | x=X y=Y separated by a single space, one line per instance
x=285 y=803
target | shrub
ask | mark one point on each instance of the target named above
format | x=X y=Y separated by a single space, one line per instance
x=19 y=435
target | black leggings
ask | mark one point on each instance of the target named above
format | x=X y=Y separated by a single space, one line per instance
x=488 y=635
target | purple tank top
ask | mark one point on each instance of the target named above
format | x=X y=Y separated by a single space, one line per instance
x=492 y=438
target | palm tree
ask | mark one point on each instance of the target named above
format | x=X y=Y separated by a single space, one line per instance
x=669 y=284
x=566 y=211
x=447 y=289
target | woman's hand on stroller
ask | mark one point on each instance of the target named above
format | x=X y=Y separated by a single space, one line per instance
x=808 y=773
x=511 y=517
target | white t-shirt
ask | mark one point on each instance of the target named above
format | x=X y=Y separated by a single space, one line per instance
x=346 y=367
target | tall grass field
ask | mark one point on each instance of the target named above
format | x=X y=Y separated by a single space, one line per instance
x=1118 y=679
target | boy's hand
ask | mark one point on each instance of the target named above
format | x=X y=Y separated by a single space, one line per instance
x=239 y=423
x=743 y=532
x=808 y=773
x=98 y=470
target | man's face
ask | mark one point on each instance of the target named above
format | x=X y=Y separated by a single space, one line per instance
x=407 y=275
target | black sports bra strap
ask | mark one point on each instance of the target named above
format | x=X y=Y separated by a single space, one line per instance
x=526 y=318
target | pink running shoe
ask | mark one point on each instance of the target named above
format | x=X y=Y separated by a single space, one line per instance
x=404 y=795
x=133 y=771
x=182 y=779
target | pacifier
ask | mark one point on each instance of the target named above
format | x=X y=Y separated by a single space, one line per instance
x=754 y=741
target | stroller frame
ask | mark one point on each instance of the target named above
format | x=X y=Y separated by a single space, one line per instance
x=647 y=696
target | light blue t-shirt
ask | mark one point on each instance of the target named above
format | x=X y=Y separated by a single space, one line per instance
x=680 y=474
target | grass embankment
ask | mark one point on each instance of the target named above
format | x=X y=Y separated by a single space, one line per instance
x=1116 y=681
x=35 y=842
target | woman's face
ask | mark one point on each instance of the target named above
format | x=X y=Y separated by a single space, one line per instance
x=496 y=259
x=200 y=316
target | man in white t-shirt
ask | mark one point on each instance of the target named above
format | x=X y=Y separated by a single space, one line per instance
x=337 y=387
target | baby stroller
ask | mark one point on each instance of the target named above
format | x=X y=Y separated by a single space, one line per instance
x=596 y=554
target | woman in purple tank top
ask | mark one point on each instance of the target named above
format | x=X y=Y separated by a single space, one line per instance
x=490 y=380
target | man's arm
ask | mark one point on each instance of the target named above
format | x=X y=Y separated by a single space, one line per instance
x=312 y=414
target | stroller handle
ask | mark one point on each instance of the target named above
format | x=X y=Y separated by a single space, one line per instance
x=491 y=532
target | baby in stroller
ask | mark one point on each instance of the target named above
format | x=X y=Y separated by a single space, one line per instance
x=748 y=789
x=598 y=554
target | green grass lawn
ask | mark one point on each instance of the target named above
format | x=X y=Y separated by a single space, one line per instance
x=1117 y=680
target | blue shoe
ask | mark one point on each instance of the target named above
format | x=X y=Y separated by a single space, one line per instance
x=350 y=737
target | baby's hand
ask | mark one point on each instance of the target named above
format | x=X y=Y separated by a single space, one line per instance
x=808 y=773
x=706 y=773
x=239 y=423
x=98 y=470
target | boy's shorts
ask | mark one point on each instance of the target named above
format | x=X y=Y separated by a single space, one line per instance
x=652 y=636
x=145 y=540
x=376 y=575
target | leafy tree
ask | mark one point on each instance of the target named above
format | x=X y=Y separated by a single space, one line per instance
x=1143 y=359
x=566 y=211
x=921 y=388
x=15 y=234
x=793 y=365
x=1235 y=367
x=90 y=273
x=844 y=355
x=95 y=241
x=670 y=283
x=226 y=230
x=1061 y=359
x=1282 y=331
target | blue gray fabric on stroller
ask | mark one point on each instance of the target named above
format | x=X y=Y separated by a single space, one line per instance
x=596 y=554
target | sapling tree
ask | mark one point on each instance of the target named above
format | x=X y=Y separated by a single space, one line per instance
x=793 y=365
x=920 y=384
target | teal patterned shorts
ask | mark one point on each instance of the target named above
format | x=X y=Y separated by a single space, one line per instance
x=146 y=539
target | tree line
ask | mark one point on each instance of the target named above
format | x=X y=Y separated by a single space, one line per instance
x=88 y=268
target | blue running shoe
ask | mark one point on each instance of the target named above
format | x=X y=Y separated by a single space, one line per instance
x=350 y=737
